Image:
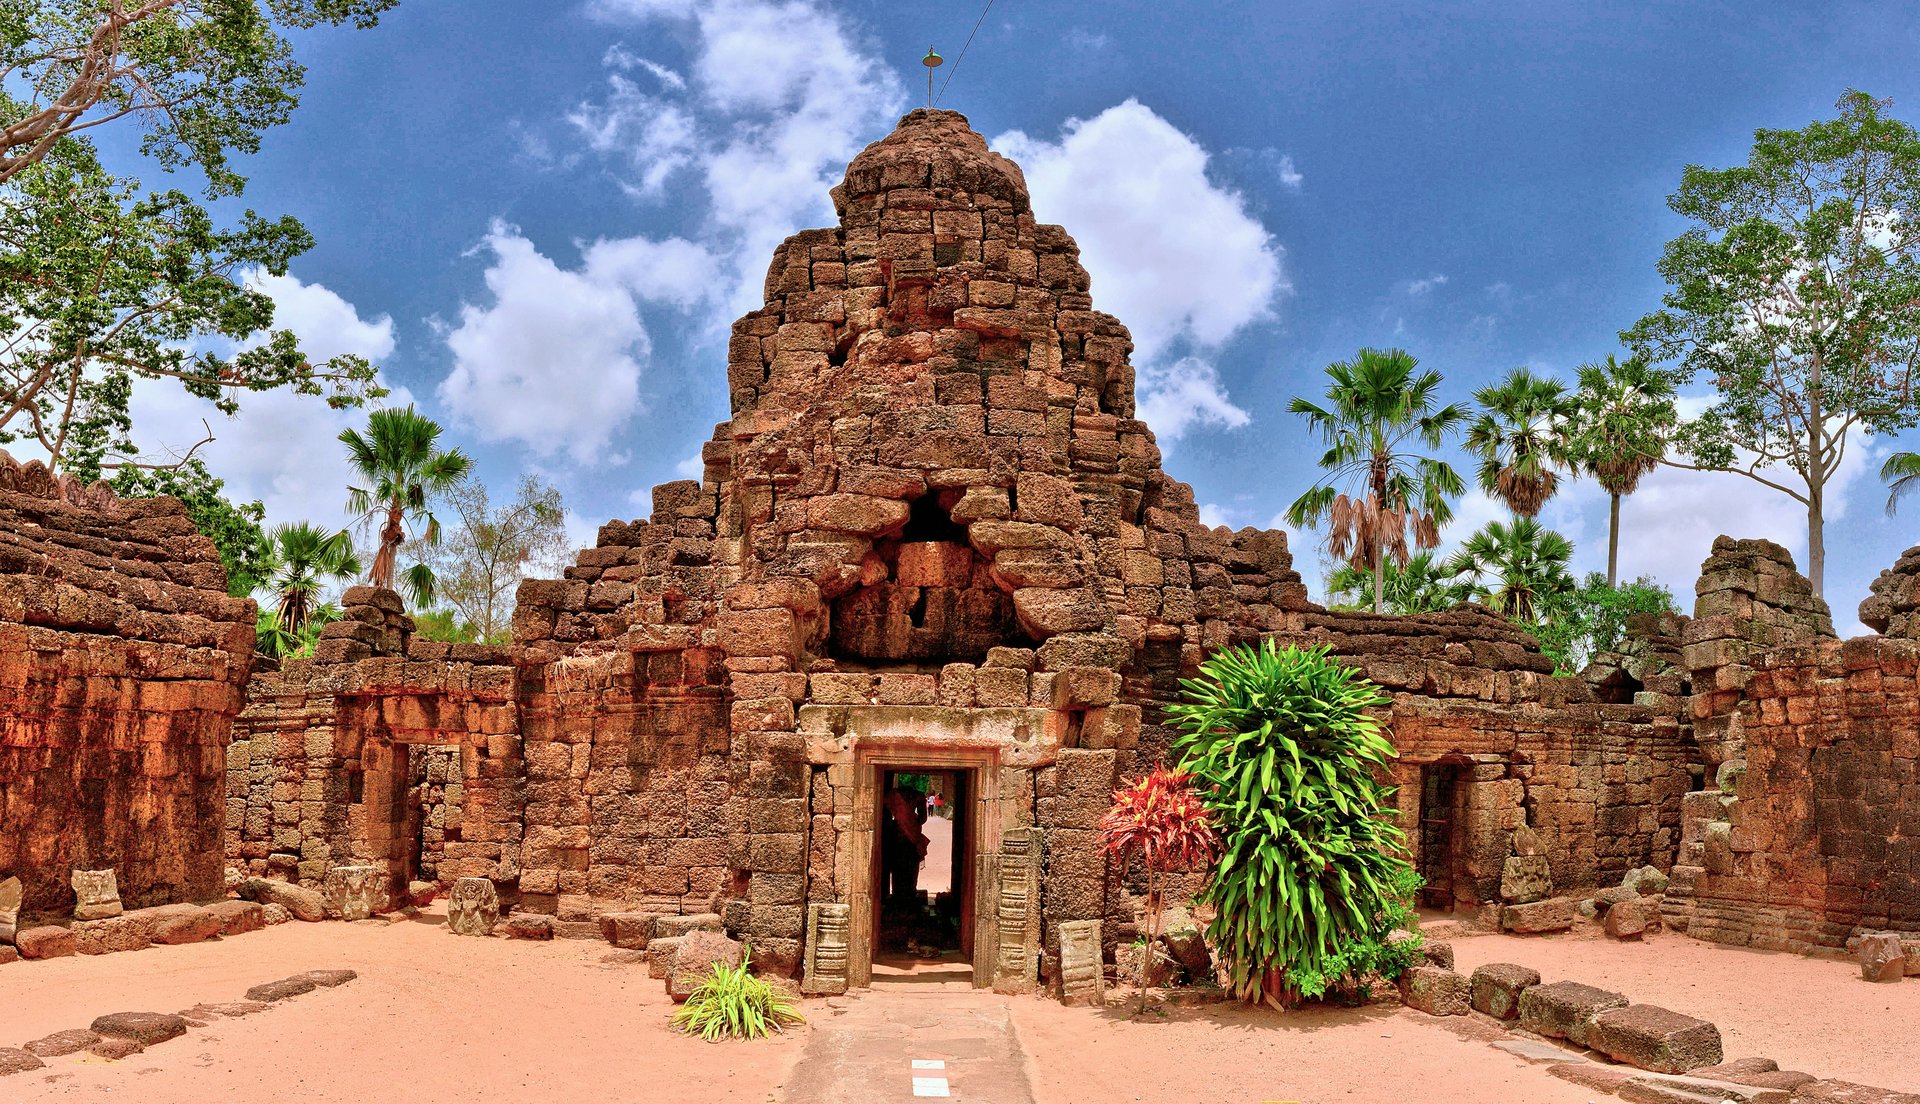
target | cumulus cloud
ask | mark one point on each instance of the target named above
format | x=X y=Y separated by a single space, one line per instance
x=281 y=449
x=1420 y=288
x=1174 y=254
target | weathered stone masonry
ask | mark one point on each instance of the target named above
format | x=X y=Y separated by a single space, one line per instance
x=933 y=534
x=122 y=665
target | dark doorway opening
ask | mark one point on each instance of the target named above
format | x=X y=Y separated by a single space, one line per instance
x=1442 y=823
x=923 y=884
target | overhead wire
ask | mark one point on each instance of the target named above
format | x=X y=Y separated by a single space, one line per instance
x=963 y=51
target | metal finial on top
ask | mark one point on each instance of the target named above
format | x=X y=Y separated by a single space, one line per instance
x=931 y=61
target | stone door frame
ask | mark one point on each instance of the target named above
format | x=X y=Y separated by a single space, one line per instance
x=861 y=844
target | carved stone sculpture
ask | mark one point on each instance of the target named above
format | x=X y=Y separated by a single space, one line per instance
x=98 y=893
x=473 y=908
x=1082 y=981
x=354 y=892
x=826 y=960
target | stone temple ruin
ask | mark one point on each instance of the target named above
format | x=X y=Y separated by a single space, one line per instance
x=932 y=538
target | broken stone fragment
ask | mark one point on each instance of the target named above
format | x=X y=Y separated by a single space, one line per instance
x=60 y=1043
x=1882 y=958
x=300 y=902
x=1436 y=991
x=268 y=992
x=1565 y=1009
x=1646 y=881
x=47 y=942
x=694 y=959
x=14 y=1060
x=1629 y=919
x=145 y=1028
x=238 y=917
x=1551 y=915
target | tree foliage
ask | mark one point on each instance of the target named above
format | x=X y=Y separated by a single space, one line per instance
x=1421 y=585
x=301 y=560
x=205 y=77
x=1285 y=755
x=405 y=471
x=101 y=286
x=1902 y=474
x=1522 y=437
x=1624 y=418
x=1519 y=568
x=484 y=554
x=1797 y=292
x=233 y=527
x=1378 y=491
x=1592 y=618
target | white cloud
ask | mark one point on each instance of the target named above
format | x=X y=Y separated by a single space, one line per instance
x=1420 y=288
x=281 y=448
x=1174 y=255
x=693 y=467
x=554 y=361
x=1290 y=176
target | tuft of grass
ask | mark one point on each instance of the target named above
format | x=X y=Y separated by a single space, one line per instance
x=734 y=1004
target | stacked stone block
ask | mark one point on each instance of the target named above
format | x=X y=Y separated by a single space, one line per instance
x=122 y=664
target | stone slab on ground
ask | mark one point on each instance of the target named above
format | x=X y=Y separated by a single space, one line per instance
x=300 y=902
x=1846 y=1092
x=47 y=942
x=529 y=925
x=270 y=991
x=628 y=930
x=1535 y=1052
x=72 y=1041
x=190 y=925
x=669 y=927
x=145 y=1028
x=1655 y=1038
x=1551 y=915
x=233 y=1008
x=1496 y=988
x=1565 y=1009
x=238 y=917
x=327 y=978
x=1435 y=991
x=1661 y=1086
x=115 y=1048
x=15 y=1060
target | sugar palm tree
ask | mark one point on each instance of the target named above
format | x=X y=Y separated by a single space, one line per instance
x=298 y=561
x=404 y=470
x=1519 y=568
x=1902 y=473
x=1624 y=418
x=1378 y=491
x=1418 y=586
x=1521 y=437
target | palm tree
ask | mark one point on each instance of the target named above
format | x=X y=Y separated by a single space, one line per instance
x=1518 y=568
x=1902 y=473
x=1625 y=415
x=1521 y=436
x=1378 y=408
x=404 y=470
x=298 y=560
x=1418 y=586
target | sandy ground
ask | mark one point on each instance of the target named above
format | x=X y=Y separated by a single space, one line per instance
x=1379 y=1055
x=431 y=1015
x=1809 y=1014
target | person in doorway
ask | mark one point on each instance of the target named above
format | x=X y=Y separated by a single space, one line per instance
x=902 y=845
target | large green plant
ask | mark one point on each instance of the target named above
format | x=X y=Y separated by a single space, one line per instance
x=1285 y=755
x=400 y=460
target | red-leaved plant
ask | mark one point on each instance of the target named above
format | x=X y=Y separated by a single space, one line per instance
x=1161 y=819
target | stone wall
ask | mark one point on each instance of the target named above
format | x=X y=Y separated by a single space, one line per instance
x=1811 y=832
x=122 y=664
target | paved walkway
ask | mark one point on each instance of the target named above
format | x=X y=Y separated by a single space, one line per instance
x=910 y=1040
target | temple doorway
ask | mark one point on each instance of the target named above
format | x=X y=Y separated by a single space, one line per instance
x=1441 y=834
x=923 y=871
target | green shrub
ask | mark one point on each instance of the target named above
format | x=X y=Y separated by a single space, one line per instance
x=1348 y=970
x=734 y=1004
x=1284 y=754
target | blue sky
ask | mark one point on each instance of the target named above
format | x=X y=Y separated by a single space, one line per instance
x=540 y=217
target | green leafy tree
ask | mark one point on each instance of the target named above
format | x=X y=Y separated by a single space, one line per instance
x=486 y=551
x=301 y=560
x=233 y=527
x=404 y=469
x=1519 y=568
x=1625 y=418
x=1379 y=491
x=1797 y=292
x=274 y=642
x=1417 y=586
x=1286 y=756
x=100 y=286
x=1593 y=618
x=1902 y=473
x=206 y=77
x=446 y=627
x=1522 y=439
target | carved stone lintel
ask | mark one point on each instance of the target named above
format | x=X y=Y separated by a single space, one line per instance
x=98 y=892
x=1082 y=980
x=354 y=892
x=826 y=960
x=473 y=908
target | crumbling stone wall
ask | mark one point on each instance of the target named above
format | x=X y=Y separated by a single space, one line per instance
x=1808 y=834
x=331 y=761
x=122 y=664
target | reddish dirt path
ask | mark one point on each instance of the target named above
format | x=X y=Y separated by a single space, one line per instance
x=432 y=1015
x=1809 y=1014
